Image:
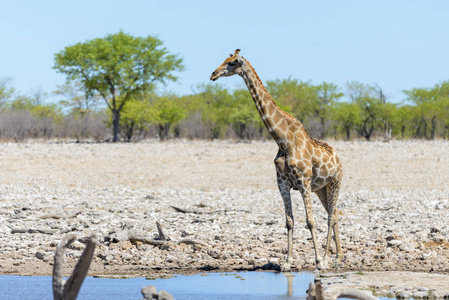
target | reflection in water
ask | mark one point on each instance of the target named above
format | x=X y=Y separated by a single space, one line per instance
x=289 y=277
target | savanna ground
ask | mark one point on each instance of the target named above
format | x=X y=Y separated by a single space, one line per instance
x=394 y=207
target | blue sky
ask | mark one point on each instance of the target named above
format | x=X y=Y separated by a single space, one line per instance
x=397 y=44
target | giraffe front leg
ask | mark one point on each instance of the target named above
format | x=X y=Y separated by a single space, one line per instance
x=306 y=196
x=321 y=263
x=285 y=193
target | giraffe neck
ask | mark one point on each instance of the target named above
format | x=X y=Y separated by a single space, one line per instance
x=272 y=116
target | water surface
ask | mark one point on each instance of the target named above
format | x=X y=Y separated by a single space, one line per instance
x=242 y=285
x=217 y=286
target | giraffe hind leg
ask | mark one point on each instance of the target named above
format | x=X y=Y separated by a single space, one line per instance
x=332 y=191
x=322 y=195
x=328 y=196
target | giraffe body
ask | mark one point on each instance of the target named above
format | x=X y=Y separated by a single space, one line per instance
x=302 y=163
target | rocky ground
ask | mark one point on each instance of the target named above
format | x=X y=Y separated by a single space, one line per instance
x=218 y=204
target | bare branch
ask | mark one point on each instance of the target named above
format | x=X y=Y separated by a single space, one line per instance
x=161 y=236
x=58 y=281
x=75 y=281
x=69 y=290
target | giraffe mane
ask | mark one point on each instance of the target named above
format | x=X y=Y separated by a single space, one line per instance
x=324 y=145
x=263 y=86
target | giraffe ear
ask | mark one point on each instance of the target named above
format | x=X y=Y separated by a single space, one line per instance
x=230 y=55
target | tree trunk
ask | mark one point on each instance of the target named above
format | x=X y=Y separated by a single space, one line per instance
x=387 y=131
x=424 y=122
x=115 y=125
x=240 y=130
x=323 y=127
x=433 y=129
x=348 y=132
x=164 y=130
x=128 y=131
x=367 y=130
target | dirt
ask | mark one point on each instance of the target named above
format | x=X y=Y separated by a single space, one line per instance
x=219 y=205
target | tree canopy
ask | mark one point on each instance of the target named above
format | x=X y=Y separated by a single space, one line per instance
x=118 y=67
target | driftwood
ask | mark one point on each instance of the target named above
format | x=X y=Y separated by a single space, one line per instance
x=316 y=292
x=63 y=290
x=162 y=240
x=161 y=236
x=201 y=212
x=147 y=240
x=69 y=290
x=56 y=216
x=155 y=242
x=31 y=230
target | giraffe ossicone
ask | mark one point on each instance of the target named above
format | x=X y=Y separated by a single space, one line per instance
x=302 y=163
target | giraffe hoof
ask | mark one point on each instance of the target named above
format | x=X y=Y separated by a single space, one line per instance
x=337 y=264
x=322 y=264
x=286 y=267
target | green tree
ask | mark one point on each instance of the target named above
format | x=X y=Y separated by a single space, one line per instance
x=444 y=113
x=388 y=119
x=387 y=112
x=243 y=114
x=76 y=99
x=426 y=101
x=6 y=91
x=217 y=104
x=364 y=96
x=135 y=117
x=297 y=98
x=119 y=67
x=442 y=107
x=327 y=95
x=22 y=102
x=166 y=111
x=403 y=119
x=347 y=116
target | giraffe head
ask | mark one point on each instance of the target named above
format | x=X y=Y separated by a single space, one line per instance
x=231 y=66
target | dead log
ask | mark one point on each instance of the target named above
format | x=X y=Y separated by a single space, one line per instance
x=147 y=240
x=55 y=216
x=316 y=292
x=189 y=211
x=19 y=230
x=195 y=245
x=43 y=231
x=63 y=290
x=31 y=230
x=163 y=241
x=200 y=212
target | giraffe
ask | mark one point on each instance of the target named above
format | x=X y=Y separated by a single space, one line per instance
x=302 y=163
